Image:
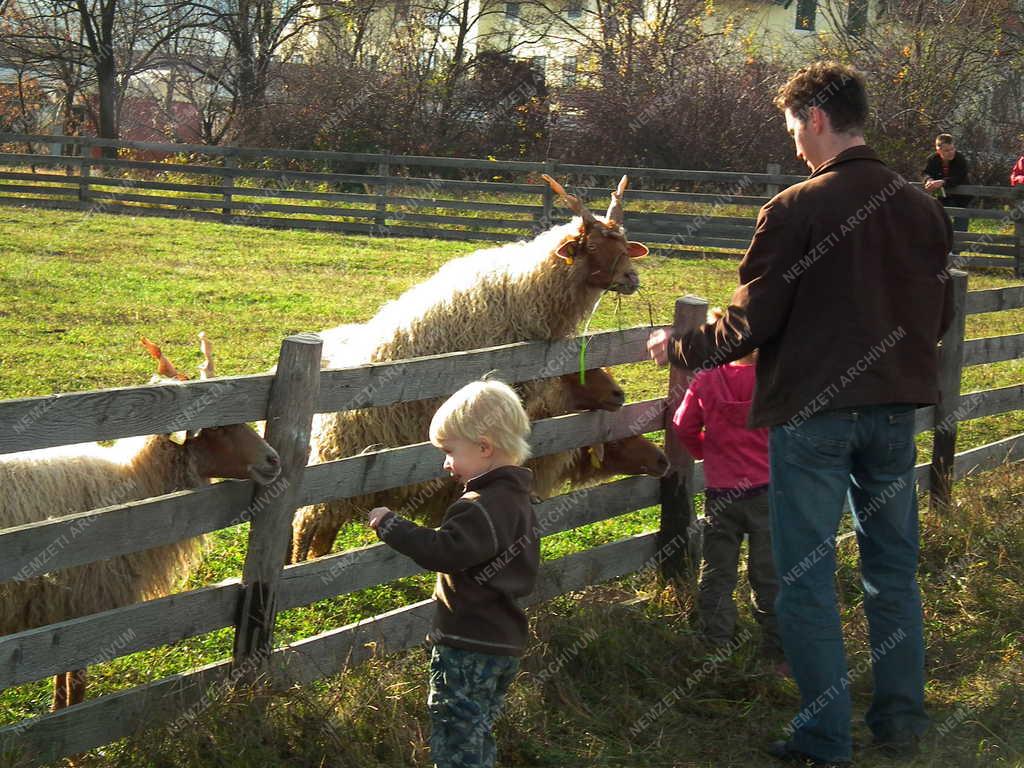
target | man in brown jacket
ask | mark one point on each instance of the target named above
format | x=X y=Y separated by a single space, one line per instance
x=845 y=293
x=487 y=554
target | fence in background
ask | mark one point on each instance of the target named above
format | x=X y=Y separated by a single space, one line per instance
x=678 y=212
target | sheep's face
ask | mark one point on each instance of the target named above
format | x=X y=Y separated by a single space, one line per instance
x=602 y=242
x=234 y=451
x=598 y=392
x=634 y=455
x=610 y=258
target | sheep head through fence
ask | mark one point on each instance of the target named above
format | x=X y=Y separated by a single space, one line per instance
x=233 y=451
x=595 y=390
x=602 y=242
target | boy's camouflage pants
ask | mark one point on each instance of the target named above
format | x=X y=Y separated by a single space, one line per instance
x=467 y=691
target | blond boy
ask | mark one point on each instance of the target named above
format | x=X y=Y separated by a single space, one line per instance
x=486 y=554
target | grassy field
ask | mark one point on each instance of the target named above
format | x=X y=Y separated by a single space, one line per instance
x=77 y=291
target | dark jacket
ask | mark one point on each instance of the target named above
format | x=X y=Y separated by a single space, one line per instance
x=843 y=291
x=956 y=175
x=486 y=553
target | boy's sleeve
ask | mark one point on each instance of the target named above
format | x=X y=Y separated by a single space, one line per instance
x=466 y=538
x=689 y=421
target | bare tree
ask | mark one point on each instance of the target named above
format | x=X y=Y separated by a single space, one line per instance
x=48 y=49
x=253 y=36
x=95 y=43
x=938 y=66
x=621 y=37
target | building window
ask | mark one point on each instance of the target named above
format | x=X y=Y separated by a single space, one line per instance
x=857 y=17
x=574 y=9
x=511 y=10
x=806 y=10
x=538 y=68
x=569 y=71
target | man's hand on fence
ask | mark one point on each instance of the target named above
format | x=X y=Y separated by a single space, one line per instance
x=657 y=346
x=375 y=516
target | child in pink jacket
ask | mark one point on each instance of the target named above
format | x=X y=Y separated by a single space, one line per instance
x=712 y=423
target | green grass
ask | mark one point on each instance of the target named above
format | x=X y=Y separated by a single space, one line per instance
x=602 y=659
x=76 y=293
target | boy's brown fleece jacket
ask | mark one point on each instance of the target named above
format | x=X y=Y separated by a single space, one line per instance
x=486 y=553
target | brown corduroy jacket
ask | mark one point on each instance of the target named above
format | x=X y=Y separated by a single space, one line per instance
x=844 y=292
x=487 y=555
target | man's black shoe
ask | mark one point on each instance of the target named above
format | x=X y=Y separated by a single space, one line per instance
x=781 y=750
x=903 y=747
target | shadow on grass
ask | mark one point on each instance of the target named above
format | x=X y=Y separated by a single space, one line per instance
x=616 y=675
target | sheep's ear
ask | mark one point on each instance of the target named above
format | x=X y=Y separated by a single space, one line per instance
x=567 y=251
x=636 y=250
x=596 y=455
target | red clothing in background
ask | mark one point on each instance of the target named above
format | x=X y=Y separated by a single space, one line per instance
x=712 y=424
x=1017 y=174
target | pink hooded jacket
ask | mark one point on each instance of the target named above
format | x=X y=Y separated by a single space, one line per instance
x=712 y=424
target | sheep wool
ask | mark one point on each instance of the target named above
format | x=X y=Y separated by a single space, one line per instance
x=516 y=292
x=51 y=483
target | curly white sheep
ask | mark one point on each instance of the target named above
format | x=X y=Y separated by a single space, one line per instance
x=56 y=482
x=536 y=290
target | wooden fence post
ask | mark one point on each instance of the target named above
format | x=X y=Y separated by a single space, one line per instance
x=293 y=398
x=380 y=221
x=677 y=485
x=772 y=189
x=84 y=169
x=547 y=197
x=1018 y=233
x=951 y=362
x=227 y=183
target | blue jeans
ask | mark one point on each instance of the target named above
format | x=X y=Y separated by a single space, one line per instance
x=869 y=453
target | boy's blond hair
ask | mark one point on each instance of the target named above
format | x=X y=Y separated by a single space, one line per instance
x=488 y=409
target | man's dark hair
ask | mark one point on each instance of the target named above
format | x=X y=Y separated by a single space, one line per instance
x=836 y=89
x=944 y=138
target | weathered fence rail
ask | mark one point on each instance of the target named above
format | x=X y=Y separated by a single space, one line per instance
x=249 y=604
x=404 y=195
x=266 y=586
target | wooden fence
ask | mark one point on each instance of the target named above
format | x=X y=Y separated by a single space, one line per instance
x=287 y=400
x=677 y=212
